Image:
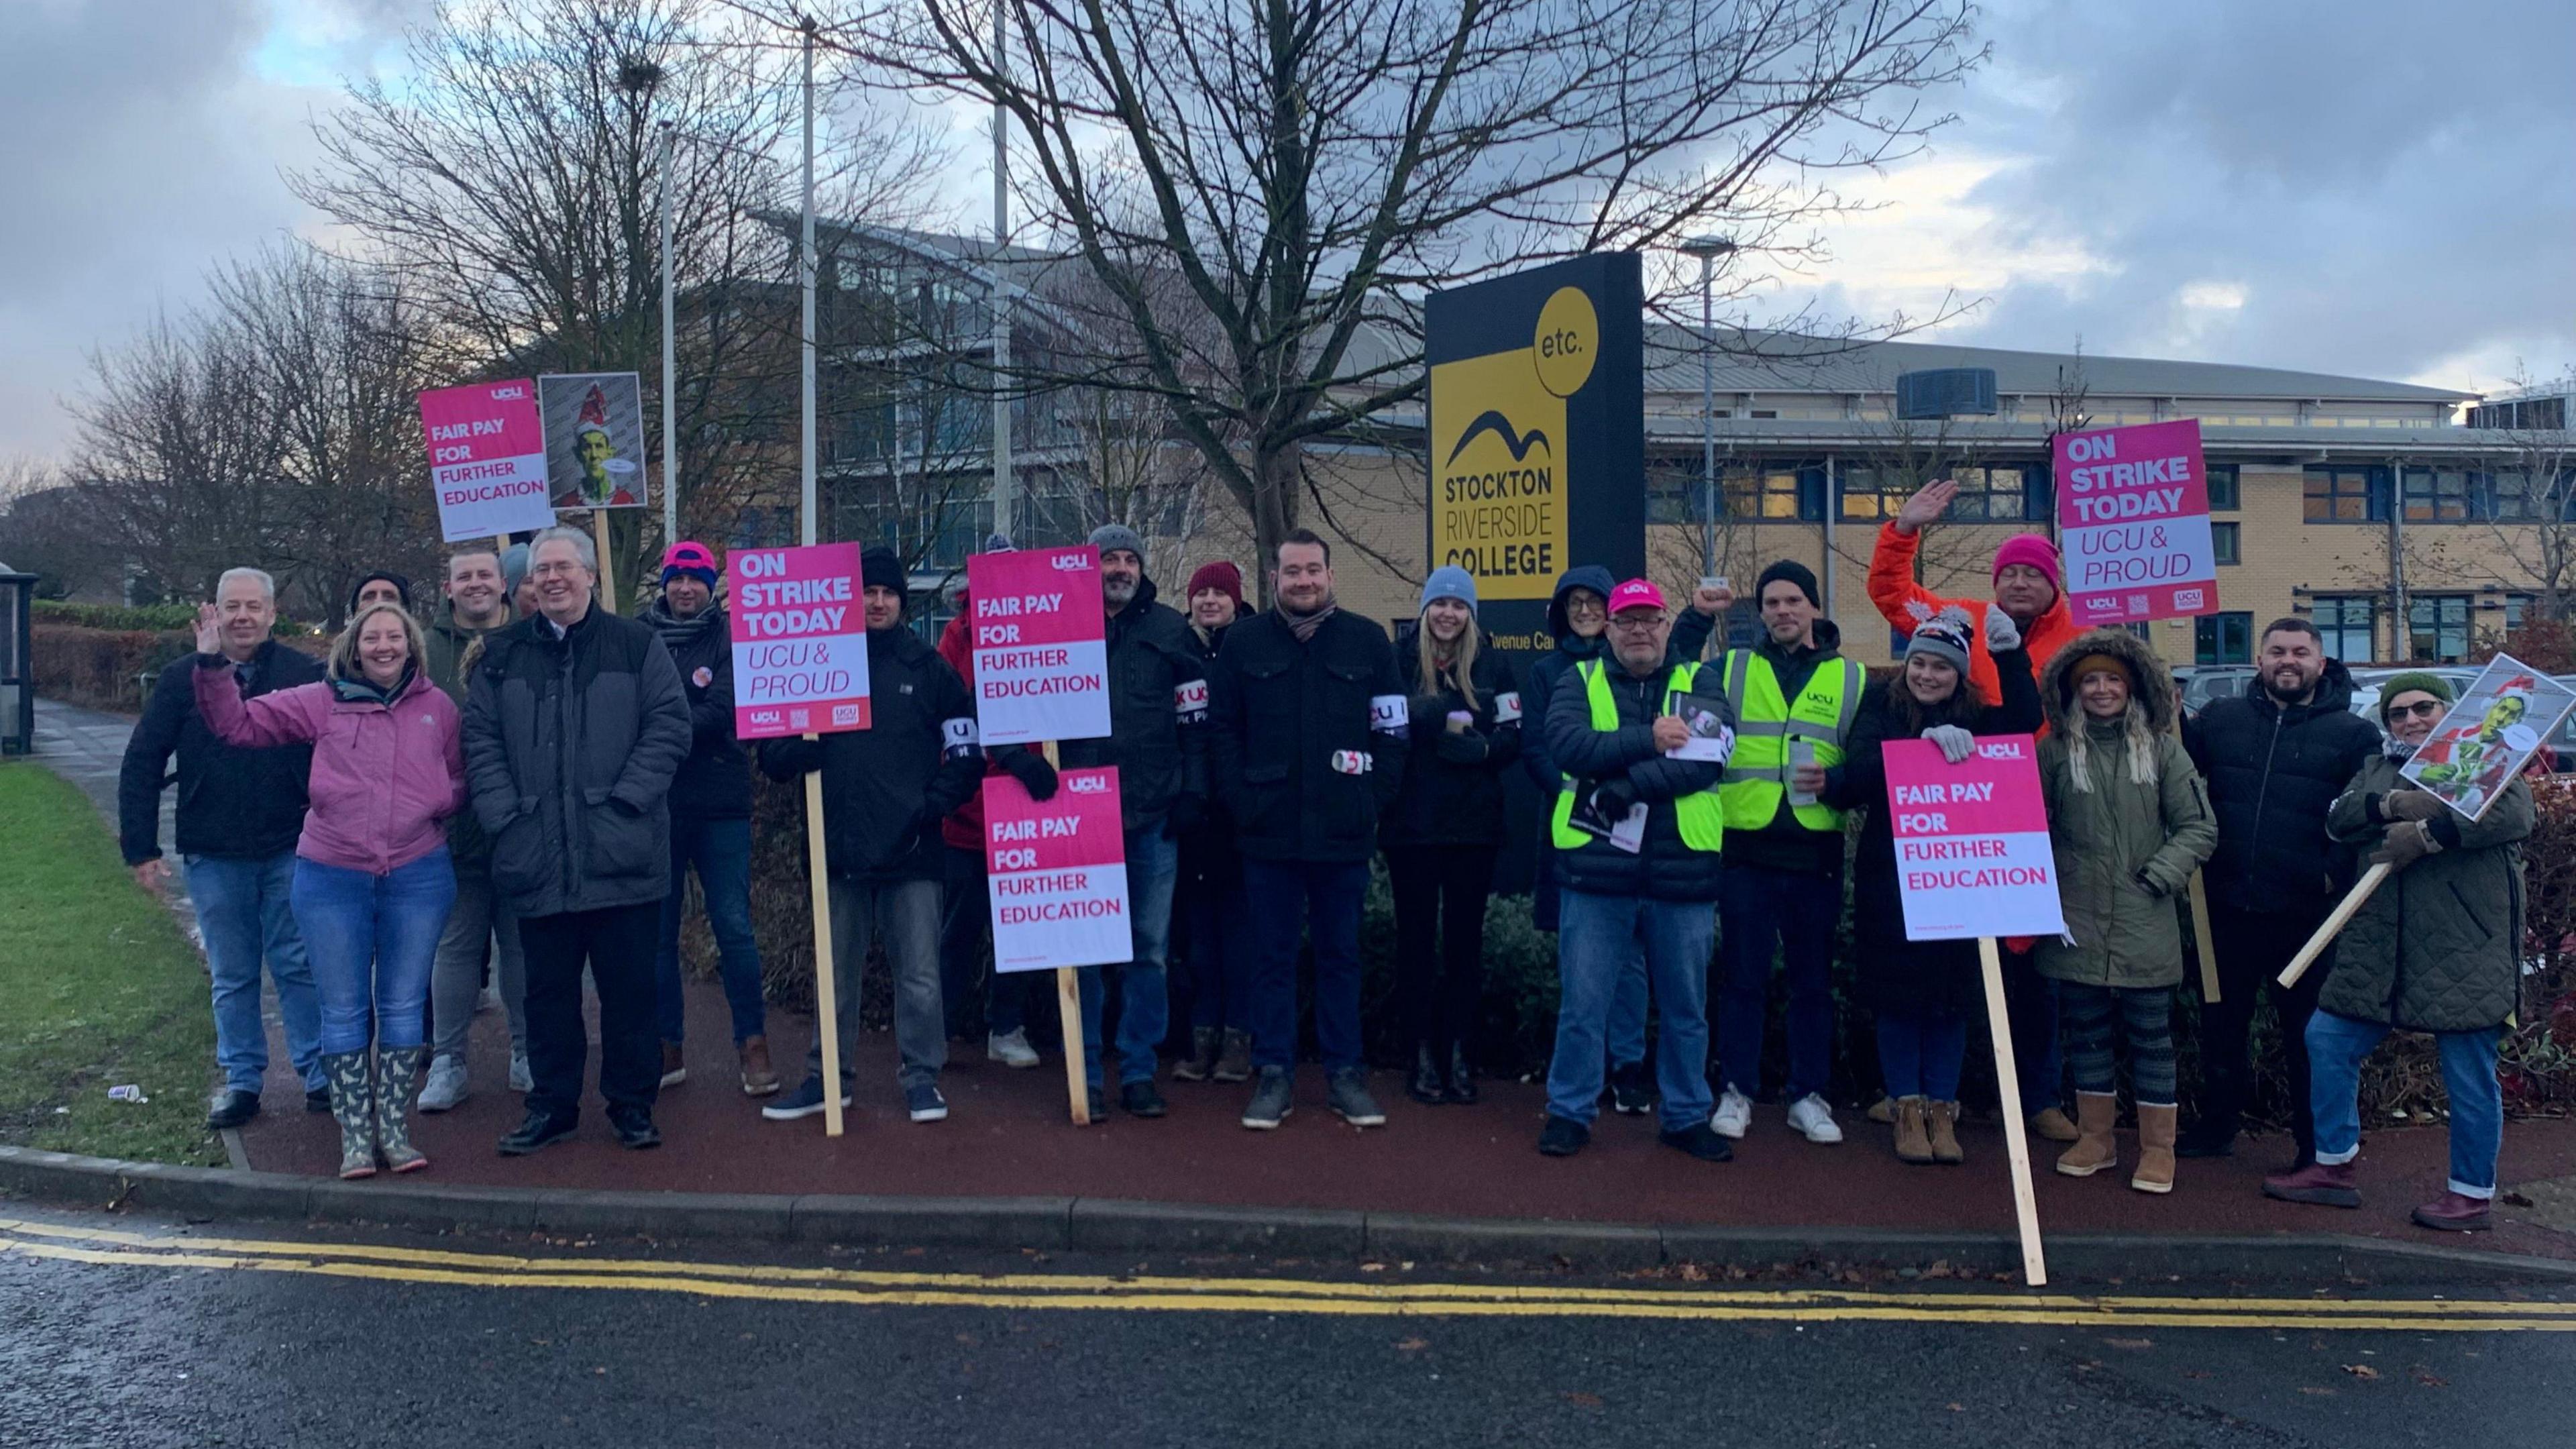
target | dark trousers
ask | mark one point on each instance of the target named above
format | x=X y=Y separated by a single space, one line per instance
x=2030 y=1003
x=1210 y=915
x=1289 y=899
x=2252 y=948
x=1440 y=890
x=1799 y=910
x=965 y=965
x=617 y=945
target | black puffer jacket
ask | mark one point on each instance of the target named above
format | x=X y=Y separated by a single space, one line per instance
x=1308 y=739
x=714 y=782
x=1157 y=713
x=886 y=787
x=570 y=744
x=1912 y=978
x=1453 y=780
x=234 y=804
x=2273 y=770
x=1664 y=869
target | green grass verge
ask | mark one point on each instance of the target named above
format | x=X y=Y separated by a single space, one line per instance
x=98 y=986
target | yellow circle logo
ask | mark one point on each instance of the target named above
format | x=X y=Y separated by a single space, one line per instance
x=1569 y=335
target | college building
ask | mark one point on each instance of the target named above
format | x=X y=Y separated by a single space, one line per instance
x=2407 y=522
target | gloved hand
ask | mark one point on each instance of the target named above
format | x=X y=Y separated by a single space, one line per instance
x=1956 y=744
x=1425 y=710
x=2002 y=634
x=1032 y=771
x=1614 y=799
x=2147 y=883
x=2411 y=805
x=2406 y=844
x=1187 y=811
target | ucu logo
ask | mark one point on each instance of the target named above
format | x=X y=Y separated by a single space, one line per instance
x=1998 y=752
x=1068 y=563
x=1087 y=785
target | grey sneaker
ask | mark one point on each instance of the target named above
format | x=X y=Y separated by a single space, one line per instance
x=520 y=1080
x=446 y=1084
x=1010 y=1048
x=1271 y=1100
x=1346 y=1092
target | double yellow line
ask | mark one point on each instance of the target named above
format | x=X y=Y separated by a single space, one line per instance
x=107 y=1247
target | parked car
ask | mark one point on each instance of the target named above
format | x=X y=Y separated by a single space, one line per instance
x=2202 y=683
x=2366 y=681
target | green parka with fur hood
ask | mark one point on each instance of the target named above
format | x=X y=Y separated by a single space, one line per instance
x=2128 y=816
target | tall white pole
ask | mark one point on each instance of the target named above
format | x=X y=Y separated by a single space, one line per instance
x=806 y=279
x=1006 y=489
x=1707 y=417
x=670 y=368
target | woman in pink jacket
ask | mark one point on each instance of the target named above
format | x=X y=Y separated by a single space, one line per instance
x=372 y=879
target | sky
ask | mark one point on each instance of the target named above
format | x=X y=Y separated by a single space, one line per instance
x=2370 y=187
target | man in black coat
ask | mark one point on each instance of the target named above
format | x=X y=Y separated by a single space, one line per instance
x=710 y=819
x=574 y=725
x=885 y=790
x=1157 y=740
x=2275 y=760
x=1309 y=737
x=239 y=814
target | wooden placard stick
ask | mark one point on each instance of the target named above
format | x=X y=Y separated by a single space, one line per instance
x=2034 y=1266
x=2325 y=934
x=607 y=564
x=826 y=988
x=1068 y=1005
x=2200 y=939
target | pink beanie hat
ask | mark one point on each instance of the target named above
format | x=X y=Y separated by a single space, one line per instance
x=2032 y=549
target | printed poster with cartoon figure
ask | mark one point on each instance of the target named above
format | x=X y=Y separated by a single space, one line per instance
x=2489 y=735
x=594 y=439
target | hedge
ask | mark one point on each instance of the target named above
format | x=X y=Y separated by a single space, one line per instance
x=100 y=668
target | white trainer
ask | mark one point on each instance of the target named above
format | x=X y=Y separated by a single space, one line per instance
x=1734 y=1114
x=1812 y=1116
x=445 y=1086
x=1011 y=1049
x=521 y=1080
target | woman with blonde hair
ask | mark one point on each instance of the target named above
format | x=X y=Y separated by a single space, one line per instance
x=372 y=879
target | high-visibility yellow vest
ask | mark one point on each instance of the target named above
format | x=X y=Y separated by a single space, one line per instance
x=1757 y=773
x=1700 y=815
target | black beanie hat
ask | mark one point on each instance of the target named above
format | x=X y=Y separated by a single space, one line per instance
x=1796 y=573
x=402 y=586
x=879 y=568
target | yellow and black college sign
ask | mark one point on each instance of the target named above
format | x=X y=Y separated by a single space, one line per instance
x=1537 y=432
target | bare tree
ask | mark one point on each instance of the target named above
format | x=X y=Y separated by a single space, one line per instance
x=2531 y=486
x=1263 y=194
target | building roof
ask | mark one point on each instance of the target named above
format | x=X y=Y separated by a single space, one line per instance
x=1751 y=361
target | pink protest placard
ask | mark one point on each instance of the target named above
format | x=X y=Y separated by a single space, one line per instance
x=2133 y=516
x=1041 y=645
x=1058 y=872
x=487 y=459
x=800 y=641
x=1972 y=852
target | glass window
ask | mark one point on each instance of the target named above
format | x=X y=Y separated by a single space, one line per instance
x=1989 y=493
x=2517 y=607
x=1986 y=495
x=1767 y=493
x=2349 y=625
x=1873 y=493
x=2223 y=638
x=2223 y=497
x=2443 y=495
x=2338 y=493
x=2511 y=497
x=2437 y=627
x=2226 y=542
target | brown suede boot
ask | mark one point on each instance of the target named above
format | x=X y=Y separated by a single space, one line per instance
x=1941 y=1122
x=1911 y=1144
x=2050 y=1124
x=759 y=1078
x=2155 y=1149
x=2096 y=1113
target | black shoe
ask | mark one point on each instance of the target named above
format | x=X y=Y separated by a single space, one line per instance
x=234 y=1108
x=1427 y=1085
x=2207 y=1139
x=1632 y=1090
x=1700 y=1140
x=1462 y=1078
x=1139 y=1099
x=634 y=1129
x=1562 y=1137
x=1096 y=1107
x=537 y=1131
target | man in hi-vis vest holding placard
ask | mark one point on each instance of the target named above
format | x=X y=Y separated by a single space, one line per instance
x=1794 y=697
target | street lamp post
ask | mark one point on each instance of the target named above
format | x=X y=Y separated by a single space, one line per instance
x=1708 y=249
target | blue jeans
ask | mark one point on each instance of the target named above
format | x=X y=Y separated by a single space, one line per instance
x=1595 y=939
x=373 y=939
x=1798 y=910
x=721 y=850
x=2336 y=1046
x=1286 y=899
x=1144 y=1000
x=1920 y=1056
x=244 y=915
x=1627 y=1027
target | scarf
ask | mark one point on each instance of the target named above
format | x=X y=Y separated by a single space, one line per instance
x=678 y=634
x=2395 y=750
x=1305 y=625
x=362 y=690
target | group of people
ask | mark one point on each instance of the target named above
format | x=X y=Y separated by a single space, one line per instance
x=522 y=786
